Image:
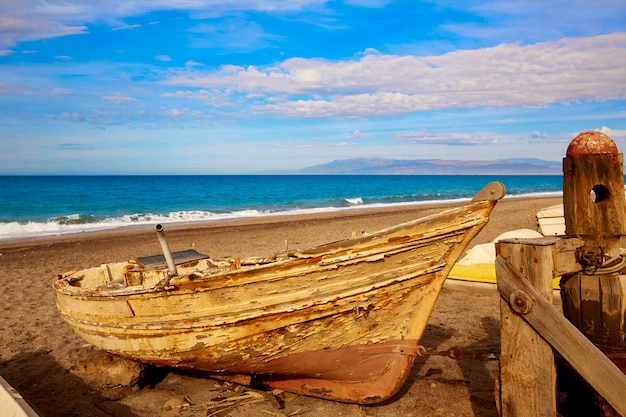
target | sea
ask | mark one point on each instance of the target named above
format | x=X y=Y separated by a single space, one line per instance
x=43 y=206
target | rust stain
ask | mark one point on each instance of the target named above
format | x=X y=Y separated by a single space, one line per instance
x=591 y=143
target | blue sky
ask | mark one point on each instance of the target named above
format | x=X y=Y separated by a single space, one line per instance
x=239 y=86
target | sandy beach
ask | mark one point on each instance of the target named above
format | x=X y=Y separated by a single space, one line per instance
x=41 y=356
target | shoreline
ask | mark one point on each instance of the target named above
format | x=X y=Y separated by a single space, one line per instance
x=274 y=218
x=42 y=229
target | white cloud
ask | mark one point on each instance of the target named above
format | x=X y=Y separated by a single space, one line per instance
x=164 y=58
x=382 y=85
x=72 y=117
x=481 y=138
x=183 y=112
x=118 y=98
x=356 y=134
x=353 y=106
x=28 y=20
x=213 y=97
x=57 y=91
x=534 y=19
x=126 y=27
x=368 y=3
x=71 y=147
x=613 y=133
x=232 y=34
x=24 y=26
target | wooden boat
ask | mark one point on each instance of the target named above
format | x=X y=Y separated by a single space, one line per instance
x=340 y=321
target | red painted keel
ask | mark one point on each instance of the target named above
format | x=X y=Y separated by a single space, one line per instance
x=364 y=374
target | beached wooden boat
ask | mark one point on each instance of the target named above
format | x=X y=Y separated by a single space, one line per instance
x=340 y=321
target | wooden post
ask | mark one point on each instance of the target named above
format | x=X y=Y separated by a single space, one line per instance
x=593 y=192
x=594 y=207
x=527 y=368
x=594 y=300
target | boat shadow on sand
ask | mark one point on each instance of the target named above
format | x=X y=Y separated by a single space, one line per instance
x=52 y=390
x=467 y=369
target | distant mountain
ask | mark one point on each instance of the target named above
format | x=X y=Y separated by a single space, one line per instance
x=372 y=166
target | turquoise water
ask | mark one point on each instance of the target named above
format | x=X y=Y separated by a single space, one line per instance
x=33 y=206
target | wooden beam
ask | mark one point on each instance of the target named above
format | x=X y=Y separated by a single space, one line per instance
x=527 y=370
x=564 y=256
x=563 y=252
x=602 y=374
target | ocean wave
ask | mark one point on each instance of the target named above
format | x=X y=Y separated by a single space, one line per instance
x=538 y=194
x=354 y=201
x=74 y=219
x=83 y=223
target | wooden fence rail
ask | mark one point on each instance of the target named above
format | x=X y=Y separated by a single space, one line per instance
x=536 y=310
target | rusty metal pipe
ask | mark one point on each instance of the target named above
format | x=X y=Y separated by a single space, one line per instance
x=166 y=250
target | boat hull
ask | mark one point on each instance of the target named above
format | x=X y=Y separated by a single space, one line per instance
x=341 y=321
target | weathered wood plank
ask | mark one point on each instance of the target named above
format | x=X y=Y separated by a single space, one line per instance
x=563 y=252
x=584 y=356
x=622 y=326
x=570 y=294
x=527 y=371
x=591 y=307
x=564 y=256
x=611 y=306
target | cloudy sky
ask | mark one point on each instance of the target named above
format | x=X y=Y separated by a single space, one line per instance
x=238 y=86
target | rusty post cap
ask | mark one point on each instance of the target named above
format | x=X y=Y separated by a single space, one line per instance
x=590 y=143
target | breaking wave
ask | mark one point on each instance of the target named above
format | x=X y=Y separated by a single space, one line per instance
x=82 y=223
x=354 y=201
